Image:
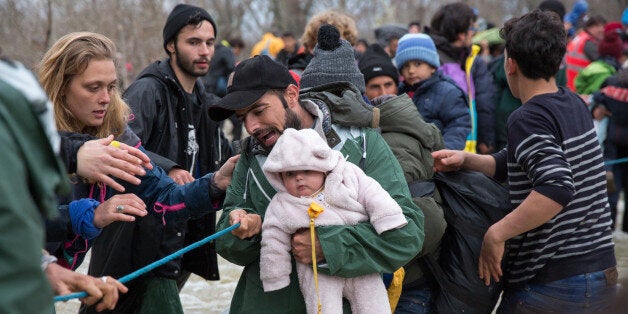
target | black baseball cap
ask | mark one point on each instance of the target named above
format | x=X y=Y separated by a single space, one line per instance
x=248 y=82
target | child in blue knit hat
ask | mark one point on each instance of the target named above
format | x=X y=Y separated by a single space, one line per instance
x=436 y=96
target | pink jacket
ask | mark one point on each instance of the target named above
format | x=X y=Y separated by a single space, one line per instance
x=350 y=197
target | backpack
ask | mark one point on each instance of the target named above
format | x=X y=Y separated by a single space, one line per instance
x=472 y=202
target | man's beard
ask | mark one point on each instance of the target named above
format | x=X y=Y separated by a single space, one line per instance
x=291 y=121
x=187 y=66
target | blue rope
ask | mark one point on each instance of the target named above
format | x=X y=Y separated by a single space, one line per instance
x=149 y=267
x=616 y=161
x=193 y=246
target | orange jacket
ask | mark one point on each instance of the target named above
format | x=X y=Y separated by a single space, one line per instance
x=575 y=58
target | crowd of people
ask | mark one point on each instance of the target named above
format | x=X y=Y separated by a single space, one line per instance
x=333 y=188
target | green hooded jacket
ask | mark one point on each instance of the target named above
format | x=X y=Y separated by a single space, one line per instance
x=349 y=250
x=32 y=175
x=590 y=79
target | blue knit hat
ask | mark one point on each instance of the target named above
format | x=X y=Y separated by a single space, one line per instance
x=416 y=47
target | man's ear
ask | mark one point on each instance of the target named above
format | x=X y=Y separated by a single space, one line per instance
x=170 y=47
x=511 y=66
x=292 y=95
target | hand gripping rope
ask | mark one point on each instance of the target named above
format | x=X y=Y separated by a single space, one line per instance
x=155 y=264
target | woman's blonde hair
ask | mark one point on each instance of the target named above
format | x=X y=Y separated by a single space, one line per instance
x=344 y=23
x=69 y=57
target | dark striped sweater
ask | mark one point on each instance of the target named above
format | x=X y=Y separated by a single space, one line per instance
x=553 y=150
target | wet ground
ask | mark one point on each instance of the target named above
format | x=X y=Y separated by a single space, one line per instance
x=213 y=297
x=198 y=296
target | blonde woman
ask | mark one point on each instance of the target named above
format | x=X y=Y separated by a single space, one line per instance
x=344 y=23
x=79 y=75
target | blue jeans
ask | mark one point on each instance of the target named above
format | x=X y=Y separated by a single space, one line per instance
x=417 y=300
x=586 y=293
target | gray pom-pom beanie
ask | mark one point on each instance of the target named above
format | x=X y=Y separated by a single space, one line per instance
x=333 y=61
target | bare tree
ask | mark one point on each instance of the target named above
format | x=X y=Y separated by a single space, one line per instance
x=290 y=15
x=29 y=27
x=228 y=15
x=23 y=30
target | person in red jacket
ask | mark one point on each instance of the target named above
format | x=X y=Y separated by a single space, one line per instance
x=582 y=49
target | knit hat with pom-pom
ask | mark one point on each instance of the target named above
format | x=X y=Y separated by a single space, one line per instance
x=611 y=45
x=333 y=61
x=553 y=6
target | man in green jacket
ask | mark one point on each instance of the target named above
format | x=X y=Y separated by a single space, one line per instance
x=265 y=97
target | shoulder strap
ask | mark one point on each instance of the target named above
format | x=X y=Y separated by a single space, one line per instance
x=345 y=103
x=353 y=144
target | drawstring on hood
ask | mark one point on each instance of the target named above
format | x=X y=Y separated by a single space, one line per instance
x=258 y=184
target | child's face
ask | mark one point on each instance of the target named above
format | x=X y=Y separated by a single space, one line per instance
x=415 y=71
x=302 y=182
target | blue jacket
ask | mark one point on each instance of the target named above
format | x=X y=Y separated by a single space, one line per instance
x=440 y=101
x=484 y=101
x=167 y=203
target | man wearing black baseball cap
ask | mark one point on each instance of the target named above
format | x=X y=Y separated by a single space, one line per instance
x=248 y=82
x=170 y=106
x=264 y=96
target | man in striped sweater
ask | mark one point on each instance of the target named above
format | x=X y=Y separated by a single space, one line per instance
x=556 y=242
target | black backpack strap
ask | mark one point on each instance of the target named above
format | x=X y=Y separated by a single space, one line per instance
x=422 y=188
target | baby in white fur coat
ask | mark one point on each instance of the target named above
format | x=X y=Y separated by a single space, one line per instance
x=303 y=169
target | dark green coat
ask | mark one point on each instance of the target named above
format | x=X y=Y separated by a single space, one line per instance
x=412 y=140
x=349 y=250
x=32 y=176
